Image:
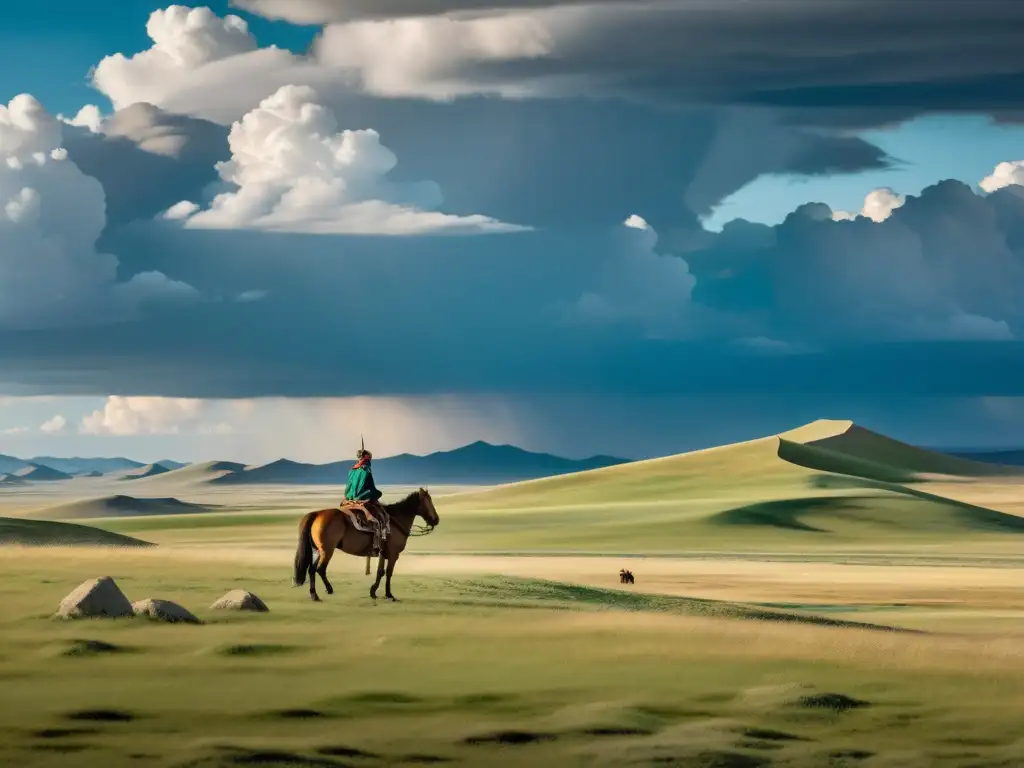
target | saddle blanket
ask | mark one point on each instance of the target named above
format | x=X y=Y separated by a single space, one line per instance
x=355 y=512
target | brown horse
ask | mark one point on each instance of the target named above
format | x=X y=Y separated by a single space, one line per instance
x=331 y=529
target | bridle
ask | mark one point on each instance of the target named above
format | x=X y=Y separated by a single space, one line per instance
x=415 y=529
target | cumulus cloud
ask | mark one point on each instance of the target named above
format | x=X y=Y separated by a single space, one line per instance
x=184 y=40
x=943 y=265
x=1006 y=174
x=294 y=171
x=54 y=426
x=204 y=65
x=638 y=285
x=143 y=416
x=878 y=206
x=51 y=216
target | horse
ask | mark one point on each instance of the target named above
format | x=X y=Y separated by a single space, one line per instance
x=626 y=577
x=331 y=529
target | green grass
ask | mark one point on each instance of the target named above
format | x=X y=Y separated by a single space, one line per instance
x=480 y=671
x=42 y=532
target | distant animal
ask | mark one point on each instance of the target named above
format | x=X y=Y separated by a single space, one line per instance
x=626 y=577
x=328 y=530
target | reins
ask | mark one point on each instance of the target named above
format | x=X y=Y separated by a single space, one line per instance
x=415 y=529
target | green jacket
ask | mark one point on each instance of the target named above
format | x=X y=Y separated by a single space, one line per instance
x=360 y=485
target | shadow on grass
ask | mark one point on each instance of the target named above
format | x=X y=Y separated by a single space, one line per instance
x=558 y=595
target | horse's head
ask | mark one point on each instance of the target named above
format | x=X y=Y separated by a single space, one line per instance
x=426 y=510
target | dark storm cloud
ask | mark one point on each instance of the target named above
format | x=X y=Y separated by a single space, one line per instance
x=857 y=56
x=929 y=301
x=147 y=159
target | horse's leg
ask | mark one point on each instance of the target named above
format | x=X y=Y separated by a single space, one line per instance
x=324 y=560
x=380 y=575
x=313 y=563
x=392 y=559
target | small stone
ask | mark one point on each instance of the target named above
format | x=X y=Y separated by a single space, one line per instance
x=240 y=600
x=100 y=598
x=164 y=610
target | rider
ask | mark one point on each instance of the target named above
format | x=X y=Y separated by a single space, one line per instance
x=360 y=485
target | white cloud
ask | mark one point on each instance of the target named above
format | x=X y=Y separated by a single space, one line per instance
x=143 y=416
x=305 y=429
x=878 y=206
x=246 y=297
x=54 y=426
x=204 y=65
x=184 y=41
x=88 y=117
x=26 y=128
x=14 y=431
x=417 y=56
x=637 y=285
x=294 y=171
x=51 y=216
x=1005 y=174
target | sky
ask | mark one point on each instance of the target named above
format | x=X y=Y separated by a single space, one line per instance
x=263 y=228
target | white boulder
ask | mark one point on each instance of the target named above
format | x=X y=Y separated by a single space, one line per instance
x=240 y=600
x=96 y=598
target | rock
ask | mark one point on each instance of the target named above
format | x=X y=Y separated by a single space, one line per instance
x=95 y=598
x=163 y=610
x=240 y=600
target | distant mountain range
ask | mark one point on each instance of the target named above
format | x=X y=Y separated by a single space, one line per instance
x=479 y=463
x=1008 y=458
x=78 y=466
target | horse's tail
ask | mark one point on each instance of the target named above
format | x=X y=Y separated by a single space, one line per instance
x=304 y=552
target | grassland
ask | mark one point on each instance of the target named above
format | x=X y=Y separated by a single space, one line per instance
x=800 y=601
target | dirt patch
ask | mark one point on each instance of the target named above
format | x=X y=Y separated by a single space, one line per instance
x=843 y=757
x=616 y=731
x=298 y=713
x=62 y=733
x=766 y=734
x=251 y=650
x=271 y=758
x=423 y=759
x=342 y=751
x=835 y=702
x=63 y=748
x=102 y=715
x=385 y=697
x=713 y=759
x=510 y=738
x=83 y=648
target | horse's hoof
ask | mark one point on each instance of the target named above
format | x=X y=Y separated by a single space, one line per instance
x=393 y=599
x=315 y=598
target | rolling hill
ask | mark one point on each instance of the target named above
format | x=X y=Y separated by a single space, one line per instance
x=827 y=481
x=44 y=533
x=78 y=465
x=12 y=481
x=149 y=470
x=476 y=464
x=39 y=473
x=116 y=506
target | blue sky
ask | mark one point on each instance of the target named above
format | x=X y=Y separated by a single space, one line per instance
x=438 y=229
x=930 y=149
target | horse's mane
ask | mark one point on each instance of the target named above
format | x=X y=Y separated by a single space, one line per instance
x=408 y=501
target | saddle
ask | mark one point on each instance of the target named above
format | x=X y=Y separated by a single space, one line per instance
x=380 y=528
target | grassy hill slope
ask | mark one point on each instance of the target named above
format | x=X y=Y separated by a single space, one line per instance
x=115 y=506
x=826 y=484
x=44 y=533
